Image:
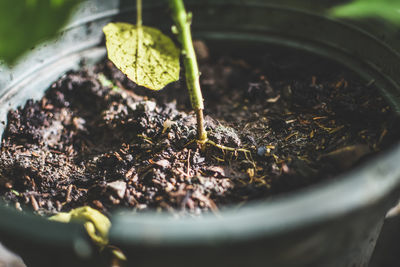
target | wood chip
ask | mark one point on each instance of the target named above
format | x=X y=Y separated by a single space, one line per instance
x=34 y=203
x=118 y=187
x=163 y=163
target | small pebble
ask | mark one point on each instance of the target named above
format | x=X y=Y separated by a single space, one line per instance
x=261 y=151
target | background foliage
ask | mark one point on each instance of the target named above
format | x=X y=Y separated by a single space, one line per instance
x=25 y=23
x=386 y=9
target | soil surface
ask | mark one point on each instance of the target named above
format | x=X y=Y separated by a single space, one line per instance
x=97 y=139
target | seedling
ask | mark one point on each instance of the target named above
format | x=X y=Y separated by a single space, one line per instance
x=96 y=224
x=151 y=58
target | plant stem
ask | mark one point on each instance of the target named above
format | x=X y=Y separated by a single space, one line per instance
x=139 y=13
x=139 y=33
x=183 y=21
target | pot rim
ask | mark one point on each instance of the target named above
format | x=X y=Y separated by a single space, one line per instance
x=361 y=187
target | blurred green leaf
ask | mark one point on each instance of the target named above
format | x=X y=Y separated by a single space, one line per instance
x=25 y=23
x=386 y=9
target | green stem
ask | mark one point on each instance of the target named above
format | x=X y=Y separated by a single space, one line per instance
x=139 y=13
x=183 y=21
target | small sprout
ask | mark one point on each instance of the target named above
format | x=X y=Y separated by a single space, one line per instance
x=106 y=82
x=96 y=224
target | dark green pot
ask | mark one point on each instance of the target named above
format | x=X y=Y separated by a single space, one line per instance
x=334 y=224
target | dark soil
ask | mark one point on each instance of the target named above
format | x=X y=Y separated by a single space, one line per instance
x=97 y=139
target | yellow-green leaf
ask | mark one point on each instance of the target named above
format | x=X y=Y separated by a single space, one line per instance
x=144 y=54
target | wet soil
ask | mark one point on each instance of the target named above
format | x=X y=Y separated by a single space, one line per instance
x=97 y=139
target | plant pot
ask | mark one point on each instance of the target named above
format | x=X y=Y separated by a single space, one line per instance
x=335 y=223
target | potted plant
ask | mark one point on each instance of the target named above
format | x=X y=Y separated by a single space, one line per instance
x=283 y=231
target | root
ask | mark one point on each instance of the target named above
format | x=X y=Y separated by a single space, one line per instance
x=253 y=179
x=226 y=148
x=203 y=143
